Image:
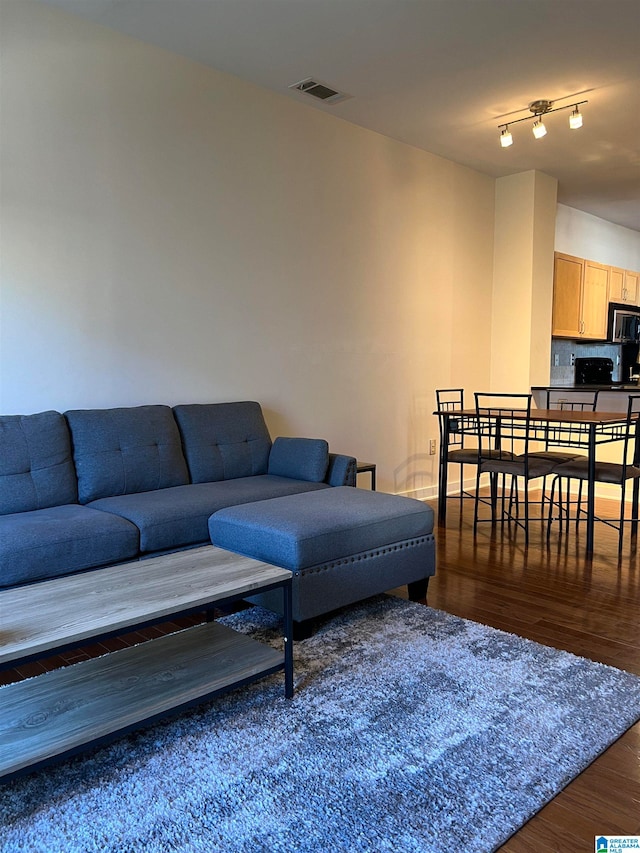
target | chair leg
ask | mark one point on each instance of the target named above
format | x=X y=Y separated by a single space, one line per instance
x=503 y=498
x=493 y=479
x=621 y=528
x=551 y=497
x=578 y=505
x=476 y=502
x=562 y=511
x=557 y=502
x=544 y=496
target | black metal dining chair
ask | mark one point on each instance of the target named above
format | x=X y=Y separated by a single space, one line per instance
x=566 y=438
x=504 y=429
x=554 y=436
x=460 y=438
x=613 y=473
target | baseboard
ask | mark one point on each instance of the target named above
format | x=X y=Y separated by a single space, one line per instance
x=430 y=493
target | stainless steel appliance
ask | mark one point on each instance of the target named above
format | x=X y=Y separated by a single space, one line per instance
x=624 y=324
x=593 y=371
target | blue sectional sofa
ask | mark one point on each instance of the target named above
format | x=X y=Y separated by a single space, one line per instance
x=99 y=486
x=94 y=487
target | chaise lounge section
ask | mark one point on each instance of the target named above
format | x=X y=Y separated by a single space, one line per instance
x=342 y=545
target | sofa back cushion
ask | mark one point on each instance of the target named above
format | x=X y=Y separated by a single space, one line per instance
x=125 y=451
x=300 y=459
x=36 y=468
x=223 y=441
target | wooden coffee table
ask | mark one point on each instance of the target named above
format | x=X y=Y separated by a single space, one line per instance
x=60 y=712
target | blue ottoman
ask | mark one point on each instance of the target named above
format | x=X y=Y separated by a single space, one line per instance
x=342 y=545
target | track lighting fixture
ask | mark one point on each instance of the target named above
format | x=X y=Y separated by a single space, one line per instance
x=539 y=109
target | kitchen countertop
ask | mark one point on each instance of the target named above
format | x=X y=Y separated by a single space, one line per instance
x=614 y=386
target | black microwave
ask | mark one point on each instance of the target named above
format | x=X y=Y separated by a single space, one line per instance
x=624 y=324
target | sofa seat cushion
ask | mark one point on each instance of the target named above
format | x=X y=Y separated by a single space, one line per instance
x=59 y=540
x=36 y=467
x=171 y=518
x=299 y=531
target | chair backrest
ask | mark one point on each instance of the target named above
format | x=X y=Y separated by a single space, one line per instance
x=631 y=454
x=573 y=399
x=503 y=425
x=451 y=400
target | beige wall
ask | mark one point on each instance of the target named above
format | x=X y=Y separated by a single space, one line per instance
x=523 y=280
x=171 y=234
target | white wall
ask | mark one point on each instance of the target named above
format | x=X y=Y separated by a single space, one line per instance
x=588 y=236
x=171 y=234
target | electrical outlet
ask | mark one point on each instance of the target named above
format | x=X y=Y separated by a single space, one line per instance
x=432 y=447
x=573 y=359
x=556 y=360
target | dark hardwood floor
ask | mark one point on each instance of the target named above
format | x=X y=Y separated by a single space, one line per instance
x=550 y=593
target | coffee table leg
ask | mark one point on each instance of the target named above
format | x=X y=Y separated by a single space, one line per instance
x=288 y=639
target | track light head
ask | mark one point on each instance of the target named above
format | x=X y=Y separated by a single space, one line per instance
x=575 y=119
x=539 y=129
x=505 y=137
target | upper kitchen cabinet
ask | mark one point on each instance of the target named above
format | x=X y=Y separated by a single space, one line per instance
x=632 y=286
x=595 y=300
x=623 y=286
x=567 y=296
x=580 y=298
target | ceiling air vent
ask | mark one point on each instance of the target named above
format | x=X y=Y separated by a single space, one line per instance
x=319 y=90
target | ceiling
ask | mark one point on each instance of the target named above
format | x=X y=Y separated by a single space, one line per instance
x=440 y=75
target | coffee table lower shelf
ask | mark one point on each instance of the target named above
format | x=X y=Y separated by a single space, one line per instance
x=60 y=712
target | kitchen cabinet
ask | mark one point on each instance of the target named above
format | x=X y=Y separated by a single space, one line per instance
x=580 y=298
x=595 y=300
x=632 y=286
x=623 y=286
x=616 y=284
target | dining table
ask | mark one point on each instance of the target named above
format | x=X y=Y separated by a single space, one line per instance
x=555 y=427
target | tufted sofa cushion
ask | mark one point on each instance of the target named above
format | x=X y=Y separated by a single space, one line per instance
x=126 y=451
x=36 y=468
x=224 y=441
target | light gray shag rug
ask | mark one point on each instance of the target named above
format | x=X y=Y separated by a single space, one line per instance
x=411 y=730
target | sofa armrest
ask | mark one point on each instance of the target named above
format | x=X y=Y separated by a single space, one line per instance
x=341 y=471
